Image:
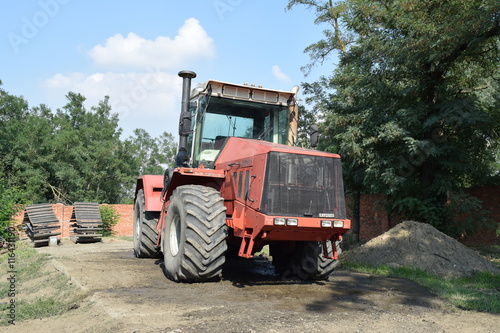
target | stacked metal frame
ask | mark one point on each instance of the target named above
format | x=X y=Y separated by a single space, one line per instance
x=41 y=223
x=86 y=222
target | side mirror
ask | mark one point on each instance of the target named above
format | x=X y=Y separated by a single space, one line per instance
x=313 y=136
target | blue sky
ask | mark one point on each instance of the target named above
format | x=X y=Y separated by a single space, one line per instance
x=133 y=50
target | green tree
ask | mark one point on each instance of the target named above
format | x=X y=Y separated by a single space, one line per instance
x=24 y=153
x=10 y=205
x=152 y=155
x=70 y=155
x=74 y=154
x=306 y=120
x=87 y=143
x=413 y=106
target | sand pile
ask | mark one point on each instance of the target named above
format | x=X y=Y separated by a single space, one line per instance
x=414 y=244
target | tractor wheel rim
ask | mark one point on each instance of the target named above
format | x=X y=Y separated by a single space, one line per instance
x=174 y=236
x=137 y=229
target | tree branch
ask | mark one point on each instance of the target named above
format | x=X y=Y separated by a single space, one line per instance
x=462 y=48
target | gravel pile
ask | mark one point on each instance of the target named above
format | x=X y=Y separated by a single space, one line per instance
x=414 y=244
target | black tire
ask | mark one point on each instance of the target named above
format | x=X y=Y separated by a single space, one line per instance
x=145 y=234
x=194 y=236
x=302 y=260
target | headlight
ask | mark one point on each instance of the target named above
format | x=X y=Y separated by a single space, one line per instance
x=292 y=222
x=326 y=223
x=279 y=221
x=338 y=224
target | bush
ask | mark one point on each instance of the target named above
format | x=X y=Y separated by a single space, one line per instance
x=109 y=218
x=10 y=205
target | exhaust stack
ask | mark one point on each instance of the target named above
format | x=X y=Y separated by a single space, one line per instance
x=185 y=118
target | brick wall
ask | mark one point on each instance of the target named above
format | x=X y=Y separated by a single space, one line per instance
x=63 y=213
x=490 y=196
x=374 y=221
x=126 y=225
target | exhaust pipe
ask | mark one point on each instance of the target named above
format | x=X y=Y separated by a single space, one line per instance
x=182 y=157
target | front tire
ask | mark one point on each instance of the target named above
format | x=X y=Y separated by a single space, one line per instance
x=194 y=235
x=145 y=234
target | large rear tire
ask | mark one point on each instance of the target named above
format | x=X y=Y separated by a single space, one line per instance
x=145 y=234
x=194 y=235
x=302 y=260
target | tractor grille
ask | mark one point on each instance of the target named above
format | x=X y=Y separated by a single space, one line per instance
x=303 y=185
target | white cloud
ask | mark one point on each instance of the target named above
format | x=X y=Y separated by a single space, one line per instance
x=140 y=77
x=140 y=99
x=279 y=74
x=191 y=44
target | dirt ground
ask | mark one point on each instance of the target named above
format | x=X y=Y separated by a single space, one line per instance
x=126 y=294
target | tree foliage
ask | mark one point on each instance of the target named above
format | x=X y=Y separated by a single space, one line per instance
x=306 y=120
x=413 y=106
x=152 y=155
x=74 y=154
x=10 y=205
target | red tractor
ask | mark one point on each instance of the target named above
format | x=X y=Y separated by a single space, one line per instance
x=239 y=185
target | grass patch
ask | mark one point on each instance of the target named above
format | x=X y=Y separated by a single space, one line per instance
x=479 y=292
x=42 y=308
x=28 y=264
x=40 y=290
x=490 y=252
x=265 y=252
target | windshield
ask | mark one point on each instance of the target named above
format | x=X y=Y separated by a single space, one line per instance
x=220 y=118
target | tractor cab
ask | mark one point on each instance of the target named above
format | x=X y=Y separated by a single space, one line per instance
x=219 y=110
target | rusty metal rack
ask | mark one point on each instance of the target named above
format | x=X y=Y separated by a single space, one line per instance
x=41 y=223
x=86 y=222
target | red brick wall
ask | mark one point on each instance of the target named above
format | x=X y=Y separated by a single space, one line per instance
x=374 y=221
x=490 y=196
x=126 y=225
x=63 y=213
